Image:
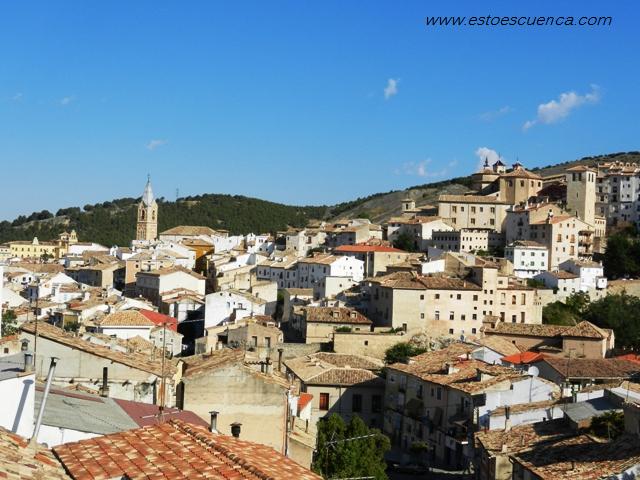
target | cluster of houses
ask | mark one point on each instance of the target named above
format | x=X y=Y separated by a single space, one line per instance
x=240 y=344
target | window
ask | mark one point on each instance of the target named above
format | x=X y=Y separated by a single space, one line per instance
x=376 y=403
x=421 y=297
x=437 y=315
x=254 y=341
x=356 y=402
x=475 y=298
x=439 y=393
x=452 y=316
x=437 y=296
x=324 y=401
x=422 y=315
x=267 y=342
x=459 y=296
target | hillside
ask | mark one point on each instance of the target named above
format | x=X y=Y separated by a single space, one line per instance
x=113 y=222
x=379 y=207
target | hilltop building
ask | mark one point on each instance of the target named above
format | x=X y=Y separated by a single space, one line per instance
x=147 y=226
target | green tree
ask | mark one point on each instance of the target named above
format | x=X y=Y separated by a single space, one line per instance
x=621 y=258
x=347 y=450
x=578 y=302
x=401 y=352
x=609 y=425
x=406 y=242
x=619 y=312
x=9 y=323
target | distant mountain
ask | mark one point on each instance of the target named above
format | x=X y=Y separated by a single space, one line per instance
x=113 y=222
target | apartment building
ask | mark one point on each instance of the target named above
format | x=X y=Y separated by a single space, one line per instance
x=473 y=211
x=564 y=236
x=348 y=385
x=529 y=258
x=467 y=240
x=441 y=398
x=419 y=228
x=451 y=306
x=618 y=192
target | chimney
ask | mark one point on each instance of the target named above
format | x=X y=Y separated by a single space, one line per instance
x=104 y=390
x=280 y=351
x=213 y=424
x=28 y=362
x=235 y=429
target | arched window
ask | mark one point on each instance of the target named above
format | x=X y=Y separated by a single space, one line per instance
x=142 y=214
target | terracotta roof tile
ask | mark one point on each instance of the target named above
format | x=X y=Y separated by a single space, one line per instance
x=132 y=359
x=335 y=315
x=126 y=318
x=581 y=458
x=593 y=368
x=176 y=450
x=335 y=369
x=18 y=461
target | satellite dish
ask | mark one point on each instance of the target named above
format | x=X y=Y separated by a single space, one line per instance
x=533 y=371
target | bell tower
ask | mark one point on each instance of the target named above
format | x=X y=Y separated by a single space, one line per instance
x=147 y=226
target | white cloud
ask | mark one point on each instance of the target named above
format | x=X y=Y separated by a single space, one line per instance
x=391 y=89
x=156 y=143
x=556 y=110
x=487 y=153
x=494 y=114
x=422 y=169
x=64 y=101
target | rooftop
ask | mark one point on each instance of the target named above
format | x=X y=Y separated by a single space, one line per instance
x=593 y=368
x=18 y=461
x=189 y=230
x=471 y=199
x=521 y=437
x=126 y=318
x=176 y=450
x=360 y=248
x=413 y=281
x=581 y=458
x=132 y=359
x=335 y=315
x=336 y=369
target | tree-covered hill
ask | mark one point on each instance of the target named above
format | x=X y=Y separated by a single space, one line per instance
x=113 y=223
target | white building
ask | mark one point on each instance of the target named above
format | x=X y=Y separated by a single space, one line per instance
x=529 y=258
x=230 y=306
x=563 y=283
x=466 y=240
x=280 y=269
x=126 y=324
x=152 y=285
x=421 y=229
x=313 y=270
x=591 y=274
x=17 y=391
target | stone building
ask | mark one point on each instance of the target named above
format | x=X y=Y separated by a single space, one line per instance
x=147 y=225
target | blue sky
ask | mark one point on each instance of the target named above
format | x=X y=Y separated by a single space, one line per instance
x=286 y=100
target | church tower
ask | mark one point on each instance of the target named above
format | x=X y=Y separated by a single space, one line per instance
x=147 y=226
x=581 y=193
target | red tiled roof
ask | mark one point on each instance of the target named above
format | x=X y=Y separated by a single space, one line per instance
x=176 y=450
x=19 y=462
x=303 y=401
x=145 y=414
x=159 y=319
x=523 y=358
x=629 y=356
x=367 y=248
